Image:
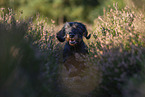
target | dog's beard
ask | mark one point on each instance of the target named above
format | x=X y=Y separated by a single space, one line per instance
x=72 y=42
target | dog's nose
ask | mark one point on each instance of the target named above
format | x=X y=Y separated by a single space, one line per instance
x=71 y=35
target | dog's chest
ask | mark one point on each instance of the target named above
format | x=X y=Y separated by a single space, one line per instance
x=77 y=49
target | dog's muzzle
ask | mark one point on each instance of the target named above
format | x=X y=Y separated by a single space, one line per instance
x=72 y=39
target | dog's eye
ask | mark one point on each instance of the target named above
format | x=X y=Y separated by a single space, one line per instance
x=71 y=35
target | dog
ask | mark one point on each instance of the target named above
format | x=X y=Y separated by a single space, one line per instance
x=73 y=33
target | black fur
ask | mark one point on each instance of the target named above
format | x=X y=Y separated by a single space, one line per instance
x=73 y=32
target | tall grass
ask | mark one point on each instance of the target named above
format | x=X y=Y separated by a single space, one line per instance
x=31 y=57
x=119 y=47
x=16 y=58
x=27 y=61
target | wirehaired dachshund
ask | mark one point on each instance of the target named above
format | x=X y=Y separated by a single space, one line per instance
x=73 y=33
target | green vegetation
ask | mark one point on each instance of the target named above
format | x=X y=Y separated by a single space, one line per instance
x=31 y=56
x=59 y=10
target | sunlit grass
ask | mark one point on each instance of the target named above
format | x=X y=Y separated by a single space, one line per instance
x=119 y=44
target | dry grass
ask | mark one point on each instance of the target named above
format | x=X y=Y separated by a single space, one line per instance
x=119 y=43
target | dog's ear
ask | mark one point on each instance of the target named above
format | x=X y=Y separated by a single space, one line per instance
x=86 y=33
x=61 y=35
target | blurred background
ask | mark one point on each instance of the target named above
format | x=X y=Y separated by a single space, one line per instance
x=67 y=10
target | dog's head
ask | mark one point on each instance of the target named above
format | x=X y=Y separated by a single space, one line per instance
x=73 y=32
